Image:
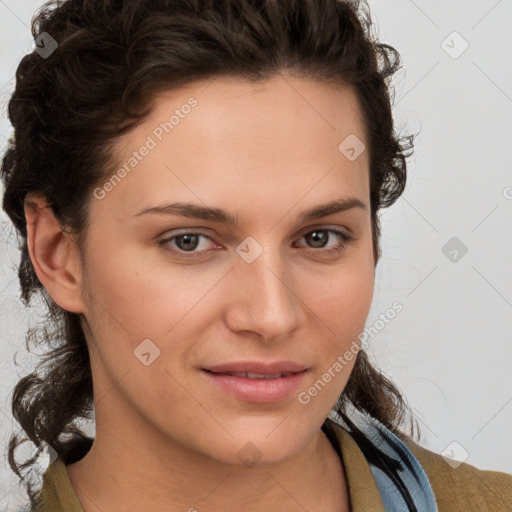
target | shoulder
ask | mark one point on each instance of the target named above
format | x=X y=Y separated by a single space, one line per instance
x=465 y=487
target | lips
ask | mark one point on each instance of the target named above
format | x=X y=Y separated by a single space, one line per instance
x=257 y=382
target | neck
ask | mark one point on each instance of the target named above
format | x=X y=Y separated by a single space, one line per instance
x=124 y=471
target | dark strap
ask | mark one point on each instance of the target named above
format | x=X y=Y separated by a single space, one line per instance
x=402 y=482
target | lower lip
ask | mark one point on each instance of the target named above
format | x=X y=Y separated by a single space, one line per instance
x=258 y=390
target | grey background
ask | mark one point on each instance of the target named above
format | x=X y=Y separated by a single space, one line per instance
x=450 y=349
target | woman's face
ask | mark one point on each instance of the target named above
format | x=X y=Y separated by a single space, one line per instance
x=168 y=295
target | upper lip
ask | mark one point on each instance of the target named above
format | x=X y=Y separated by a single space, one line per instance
x=261 y=368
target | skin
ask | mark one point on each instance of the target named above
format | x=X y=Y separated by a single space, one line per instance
x=166 y=439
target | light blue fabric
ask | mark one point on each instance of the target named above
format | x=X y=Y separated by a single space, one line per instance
x=402 y=482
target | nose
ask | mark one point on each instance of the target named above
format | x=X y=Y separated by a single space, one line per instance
x=263 y=300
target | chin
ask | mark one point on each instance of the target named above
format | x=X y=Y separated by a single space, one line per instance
x=257 y=448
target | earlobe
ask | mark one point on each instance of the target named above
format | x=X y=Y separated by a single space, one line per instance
x=53 y=254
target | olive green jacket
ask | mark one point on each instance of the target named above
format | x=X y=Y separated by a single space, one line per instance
x=464 y=489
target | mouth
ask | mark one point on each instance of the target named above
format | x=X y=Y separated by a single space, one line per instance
x=277 y=368
x=263 y=386
x=249 y=375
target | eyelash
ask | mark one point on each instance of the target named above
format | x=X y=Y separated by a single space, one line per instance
x=345 y=239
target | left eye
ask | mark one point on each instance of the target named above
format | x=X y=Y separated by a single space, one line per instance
x=320 y=236
x=189 y=242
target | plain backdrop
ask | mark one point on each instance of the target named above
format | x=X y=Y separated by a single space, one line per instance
x=447 y=243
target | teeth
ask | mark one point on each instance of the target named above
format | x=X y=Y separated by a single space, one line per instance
x=248 y=375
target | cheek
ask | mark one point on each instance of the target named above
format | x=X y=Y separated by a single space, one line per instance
x=136 y=308
x=144 y=297
x=340 y=306
x=136 y=317
x=342 y=299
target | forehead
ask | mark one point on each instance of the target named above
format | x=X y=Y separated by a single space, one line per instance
x=284 y=131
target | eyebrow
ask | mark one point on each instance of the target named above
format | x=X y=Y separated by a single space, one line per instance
x=196 y=211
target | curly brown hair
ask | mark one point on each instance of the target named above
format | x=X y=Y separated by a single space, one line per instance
x=113 y=57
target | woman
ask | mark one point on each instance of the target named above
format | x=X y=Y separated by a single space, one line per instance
x=197 y=186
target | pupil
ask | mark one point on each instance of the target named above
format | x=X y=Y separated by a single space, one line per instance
x=188 y=239
x=318 y=236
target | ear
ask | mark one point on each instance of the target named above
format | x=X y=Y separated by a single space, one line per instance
x=55 y=257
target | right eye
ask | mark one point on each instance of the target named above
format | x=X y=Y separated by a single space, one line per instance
x=183 y=243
